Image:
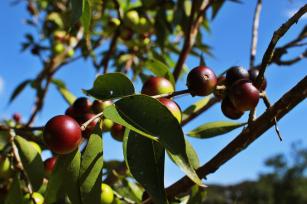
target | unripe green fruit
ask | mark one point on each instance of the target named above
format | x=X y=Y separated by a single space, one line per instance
x=157 y=85
x=43 y=4
x=144 y=25
x=59 y=35
x=107 y=124
x=173 y=107
x=58 y=48
x=36 y=147
x=39 y=199
x=5 y=168
x=70 y=53
x=114 y=22
x=107 y=195
x=132 y=18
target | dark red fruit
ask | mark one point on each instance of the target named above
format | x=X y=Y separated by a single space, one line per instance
x=236 y=73
x=253 y=74
x=90 y=127
x=157 y=85
x=244 y=95
x=62 y=134
x=201 y=81
x=49 y=165
x=82 y=105
x=117 y=132
x=173 y=107
x=98 y=106
x=17 y=117
x=229 y=110
x=70 y=112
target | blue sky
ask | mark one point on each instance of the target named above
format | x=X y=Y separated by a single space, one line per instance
x=230 y=38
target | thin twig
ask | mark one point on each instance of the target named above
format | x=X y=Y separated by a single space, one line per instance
x=84 y=125
x=170 y=95
x=253 y=131
x=269 y=53
x=122 y=198
x=255 y=33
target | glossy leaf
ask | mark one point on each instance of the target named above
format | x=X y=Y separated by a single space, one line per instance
x=110 y=86
x=213 y=129
x=15 y=195
x=19 y=89
x=64 y=178
x=159 y=69
x=148 y=115
x=91 y=168
x=145 y=160
x=86 y=15
x=77 y=10
x=31 y=161
x=195 y=107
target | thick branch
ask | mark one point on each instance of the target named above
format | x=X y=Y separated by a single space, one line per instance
x=268 y=55
x=253 y=131
x=255 y=33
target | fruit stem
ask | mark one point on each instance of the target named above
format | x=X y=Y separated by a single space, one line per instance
x=173 y=94
x=84 y=125
x=122 y=198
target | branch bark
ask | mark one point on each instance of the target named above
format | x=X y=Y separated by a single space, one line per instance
x=253 y=131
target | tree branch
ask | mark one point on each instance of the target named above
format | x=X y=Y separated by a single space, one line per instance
x=269 y=53
x=255 y=33
x=253 y=131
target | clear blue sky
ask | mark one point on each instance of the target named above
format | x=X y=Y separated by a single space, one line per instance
x=230 y=38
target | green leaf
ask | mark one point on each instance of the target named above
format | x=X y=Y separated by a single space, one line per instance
x=91 y=168
x=148 y=115
x=19 y=89
x=15 y=195
x=145 y=160
x=192 y=155
x=110 y=86
x=77 y=10
x=4 y=139
x=213 y=129
x=195 y=107
x=64 y=178
x=159 y=69
x=86 y=15
x=31 y=161
x=65 y=93
x=216 y=6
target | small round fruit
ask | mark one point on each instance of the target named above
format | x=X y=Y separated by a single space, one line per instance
x=36 y=147
x=117 y=132
x=5 y=167
x=253 y=74
x=70 y=53
x=58 y=48
x=17 y=117
x=90 y=127
x=49 y=165
x=157 y=85
x=38 y=198
x=107 y=124
x=62 y=134
x=70 y=112
x=173 y=107
x=229 y=110
x=244 y=95
x=114 y=22
x=236 y=73
x=201 y=81
x=82 y=105
x=98 y=106
x=107 y=194
x=132 y=18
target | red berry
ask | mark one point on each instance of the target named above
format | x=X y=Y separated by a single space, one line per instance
x=98 y=106
x=49 y=165
x=201 y=81
x=157 y=85
x=70 y=112
x=17 y=117
x=229 y=110
x=253 y=74
x=244 y=95
x=236 y=73
x=90 y=127
x=173 y=107
x=62 y=134
x=82 y=105
x=117 y=132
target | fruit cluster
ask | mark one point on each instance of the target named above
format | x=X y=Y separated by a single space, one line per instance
x=63 y=41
